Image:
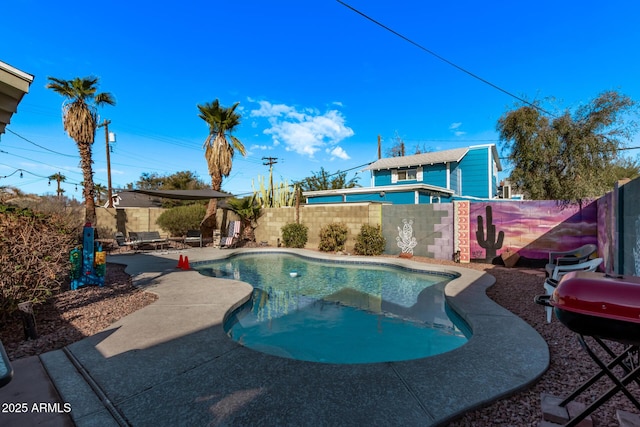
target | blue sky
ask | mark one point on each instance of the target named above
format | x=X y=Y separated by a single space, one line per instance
x=316 y=82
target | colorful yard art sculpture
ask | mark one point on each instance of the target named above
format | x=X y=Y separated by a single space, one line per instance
x=88 y=267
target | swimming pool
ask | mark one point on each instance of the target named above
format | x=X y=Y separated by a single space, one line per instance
x=344 y=312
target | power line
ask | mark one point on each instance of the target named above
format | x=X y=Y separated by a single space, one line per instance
x=40 y=146
x=419 y=46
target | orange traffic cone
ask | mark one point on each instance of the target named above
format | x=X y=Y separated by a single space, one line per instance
x=185 y=264
x=180 y=262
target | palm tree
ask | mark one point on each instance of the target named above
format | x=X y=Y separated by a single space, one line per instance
x=219 y=148
x=58 y=177
x=100 y=191
x=248 y=210
x=80 y=120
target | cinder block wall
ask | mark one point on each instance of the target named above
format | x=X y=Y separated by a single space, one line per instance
x=110 y=220
x=130 y=219
x=430 y=225
x=315 y=217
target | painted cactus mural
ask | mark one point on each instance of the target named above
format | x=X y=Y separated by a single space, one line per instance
x=406 y=240
x=490 y=243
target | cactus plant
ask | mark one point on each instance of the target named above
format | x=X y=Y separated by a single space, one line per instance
x=490 y=243
x=283 y=194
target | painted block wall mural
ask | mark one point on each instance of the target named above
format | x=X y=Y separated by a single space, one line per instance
x=405 y=239
x=486 y=235
x=607 y=239
x=420 y=230
x=530 y=228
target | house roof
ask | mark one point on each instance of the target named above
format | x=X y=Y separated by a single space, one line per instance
x=13 y=85
x=129 y=199
x=445 y=156
x=152 y=198
x=453 y=155
x=384 y=188
x=203 y=194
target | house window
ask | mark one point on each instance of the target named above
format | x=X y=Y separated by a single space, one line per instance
x=407 y=175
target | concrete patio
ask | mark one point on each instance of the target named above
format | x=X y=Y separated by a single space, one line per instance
x=171 y=363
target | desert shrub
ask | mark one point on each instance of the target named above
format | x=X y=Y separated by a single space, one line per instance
x=177 y=221
x=295 y=235
x=34 y=256
x=370 y=240
x=333 y=237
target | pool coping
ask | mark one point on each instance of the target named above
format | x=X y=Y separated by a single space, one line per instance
x=503 y=355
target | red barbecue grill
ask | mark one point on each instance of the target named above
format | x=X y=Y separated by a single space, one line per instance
x=602 y=307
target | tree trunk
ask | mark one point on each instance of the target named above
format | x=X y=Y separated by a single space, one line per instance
x=87 y=175
x=209 y=224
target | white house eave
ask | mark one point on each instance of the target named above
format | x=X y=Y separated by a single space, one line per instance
x=13 y=85
x=377 y=189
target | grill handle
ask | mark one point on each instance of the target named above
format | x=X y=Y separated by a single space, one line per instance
x=542 y=300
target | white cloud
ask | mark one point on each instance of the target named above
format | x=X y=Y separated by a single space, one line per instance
x=304 y=132
x=339 y=153
x=454 y=126
x=269 y=110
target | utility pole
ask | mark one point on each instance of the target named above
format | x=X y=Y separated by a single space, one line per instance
x=270 y=161
x=59 y=190
x=106 y=138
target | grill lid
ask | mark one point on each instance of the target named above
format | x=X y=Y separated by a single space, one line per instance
x=596 y=294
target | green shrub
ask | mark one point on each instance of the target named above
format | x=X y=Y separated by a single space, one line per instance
x=294 y=235
x=177 y=221
x=333 y=237
x=34 y=256
x=370 y=240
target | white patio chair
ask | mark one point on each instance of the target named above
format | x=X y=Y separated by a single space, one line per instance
x=550 y=283
x=575 y=256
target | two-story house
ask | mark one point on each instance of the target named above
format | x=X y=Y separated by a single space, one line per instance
x=437 y=177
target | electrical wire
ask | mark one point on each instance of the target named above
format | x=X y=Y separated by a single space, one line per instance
x=430 y=52
x=38 y=145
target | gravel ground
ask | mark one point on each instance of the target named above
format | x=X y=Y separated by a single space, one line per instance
x=71 y=316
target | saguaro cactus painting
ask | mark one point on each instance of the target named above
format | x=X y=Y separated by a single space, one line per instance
x=490 y=243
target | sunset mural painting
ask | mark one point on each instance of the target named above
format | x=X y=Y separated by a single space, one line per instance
x=531 y=228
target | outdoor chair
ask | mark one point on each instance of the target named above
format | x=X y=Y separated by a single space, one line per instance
x=193 y=236
x=576 y=256
x=121 y=241
x=550 y=283
x=232 y=237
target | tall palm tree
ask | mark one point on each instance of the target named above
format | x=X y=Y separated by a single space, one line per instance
x=219 y=148
x=80 y=120
x=58 y=177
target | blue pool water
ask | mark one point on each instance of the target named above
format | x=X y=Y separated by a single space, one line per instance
x=339 y=312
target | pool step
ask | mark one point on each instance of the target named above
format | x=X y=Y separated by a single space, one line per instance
x=74 y=386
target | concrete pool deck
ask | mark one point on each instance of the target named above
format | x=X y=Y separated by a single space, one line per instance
x=171 y=363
